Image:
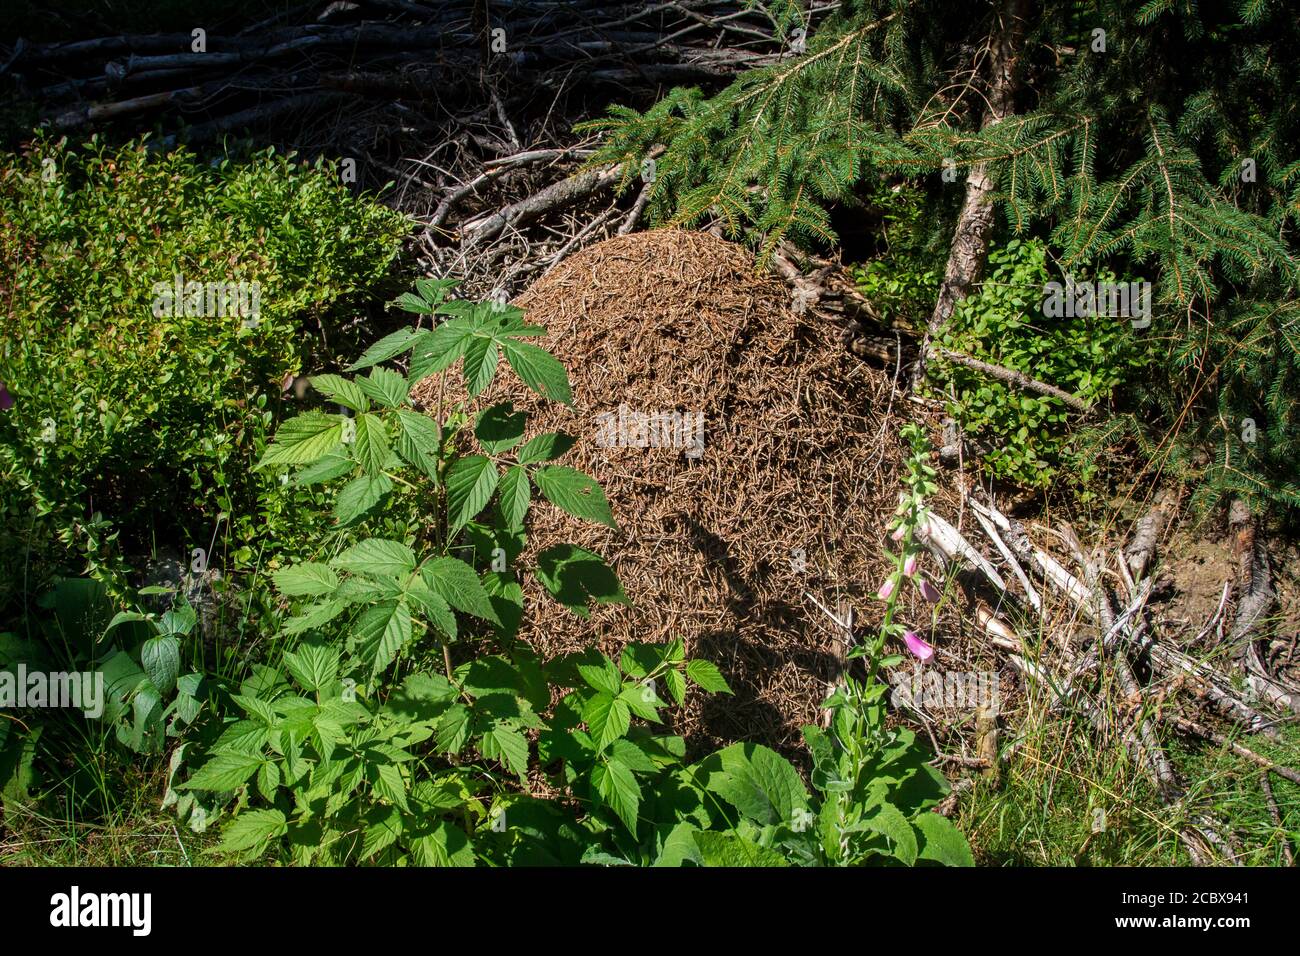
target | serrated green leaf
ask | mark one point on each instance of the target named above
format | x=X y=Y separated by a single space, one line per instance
x=223 y=772
x=458 y=584
x=390 y=345
x=342 y=390
x=372 y=448
x=437 y=350
x=307 y=579
x=470 y=483
x=540 y=370
x=707 y=676
x=251 y=831
x=615 y=783
x=385 y=387
x=377 y=556
x=419 y=441
x=303 y=440
x=383 y=630
x=545 y=447
x=574 y=492
x=314 y=667
x=514 y=496
x=360 y=495
x=499 y=428
x=481 y=356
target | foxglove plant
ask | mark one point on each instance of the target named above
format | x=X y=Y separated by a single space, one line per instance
x=910 y=530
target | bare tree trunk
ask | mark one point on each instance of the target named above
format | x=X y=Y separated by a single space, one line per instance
x=970 y=240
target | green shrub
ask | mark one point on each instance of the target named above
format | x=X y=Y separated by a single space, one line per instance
x=365 y=744
x=125 y=421
x=1003 y=323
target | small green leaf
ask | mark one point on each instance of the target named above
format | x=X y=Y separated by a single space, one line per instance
x=707 y=676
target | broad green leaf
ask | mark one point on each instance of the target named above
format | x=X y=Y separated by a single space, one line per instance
x=342 y=390
x=607 y=718
x=252 y=830
x=513 y=497
x=385 y=387
x=390 y=345
x=676 y=685
x=470 y=483
x=308 y=579
x=419 y=441
x=733 y=851
x=438 y=349
x=576 y=493
x=481 y=356
x=383 y=832
x=603 y=676
x=545 y=447
x=318 y=615
x=508 y=746
x=303 y=440
x=314 y=667
x=376 y=556
x=383 y=630
x=410 y=302
x=161 y=659
x=359 y=496
x=447 y=845
x=327 y=469
x=387 y=781
x=944 y=843
x=372 y=448
x=459 y=586
x=758 y=782
x=890 y=823
x=540 y=370
x=223 y=772
x=434 y=607
x=615 y=783
x=453 y=729
x=707 y=676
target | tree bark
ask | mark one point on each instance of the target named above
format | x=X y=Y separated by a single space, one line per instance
x=970 y=240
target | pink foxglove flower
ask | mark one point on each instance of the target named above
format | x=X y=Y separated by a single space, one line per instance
x=886 y=589
x=918 y=647
x=928 y=591
x=909 y=565
x=6 y=400
x=899 y=533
